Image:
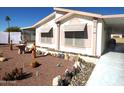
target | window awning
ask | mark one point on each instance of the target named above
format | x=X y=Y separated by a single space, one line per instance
x=74 y=27
x=46 y=29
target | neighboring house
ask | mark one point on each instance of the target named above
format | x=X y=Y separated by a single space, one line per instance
x=28 y=34
x=75 y=31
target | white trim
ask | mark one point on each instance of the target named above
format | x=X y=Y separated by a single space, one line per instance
x=29 y=27
x=113 y=16
x=64 y=16
x=46 y=30
x=78 y=12
x=80 y=27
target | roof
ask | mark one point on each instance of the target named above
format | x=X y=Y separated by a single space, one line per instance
x=79 y=12
x=70 y=12
x=28 y=28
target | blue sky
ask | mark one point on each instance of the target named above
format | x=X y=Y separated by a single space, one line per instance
x=27 y=16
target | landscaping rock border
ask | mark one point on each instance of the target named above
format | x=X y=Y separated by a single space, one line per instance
x=78 y=75
x=82 y=77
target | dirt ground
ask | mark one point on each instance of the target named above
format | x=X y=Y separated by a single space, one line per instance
x=42 y=75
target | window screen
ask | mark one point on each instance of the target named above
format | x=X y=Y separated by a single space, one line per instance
x=47 y=37
x=75 y=38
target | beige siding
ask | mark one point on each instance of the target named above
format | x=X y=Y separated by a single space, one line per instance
x=46 y=41
x=83 y=46
x=84 y=42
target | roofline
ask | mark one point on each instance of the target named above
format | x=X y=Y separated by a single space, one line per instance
x=44 y=19
x=63 y=17
x=79 y=12
x=71 y=12
x=113 y=16
x=22 y=28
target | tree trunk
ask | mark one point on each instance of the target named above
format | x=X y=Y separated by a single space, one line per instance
x=8 y=33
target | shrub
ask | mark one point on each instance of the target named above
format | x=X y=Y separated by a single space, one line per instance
x=35 y=64
x=16 y=74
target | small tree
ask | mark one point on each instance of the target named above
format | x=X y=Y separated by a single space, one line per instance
x=13 y=29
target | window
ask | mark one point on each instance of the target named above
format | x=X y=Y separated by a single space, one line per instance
x=47 y=37
x=75 y=38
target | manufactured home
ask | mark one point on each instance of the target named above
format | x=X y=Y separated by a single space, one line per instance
x=77 y=32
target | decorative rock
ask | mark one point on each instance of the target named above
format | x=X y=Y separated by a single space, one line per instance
x=58 y=65
x=66 y=81
x=56 y=80
x=19 y=51
x=62 y=56
x=73 y=71
x=76 y=58
x=79 y=64
x=66 y=72
x=71 y=58
x=45 y=53
x=2 y=59
x=66 y=56
x=82 y=77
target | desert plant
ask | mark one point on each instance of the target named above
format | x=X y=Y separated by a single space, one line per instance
x=35 y=64
x=15 y=74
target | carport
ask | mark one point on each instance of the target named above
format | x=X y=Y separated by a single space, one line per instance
x=114 y=25
x=110 y=67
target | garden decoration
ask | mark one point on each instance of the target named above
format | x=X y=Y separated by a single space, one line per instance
x=34 y=51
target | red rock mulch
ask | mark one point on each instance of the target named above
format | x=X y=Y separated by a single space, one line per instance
x=46 y=71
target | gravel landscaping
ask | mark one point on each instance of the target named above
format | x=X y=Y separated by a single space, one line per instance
x=42 y=75
x=82 y=77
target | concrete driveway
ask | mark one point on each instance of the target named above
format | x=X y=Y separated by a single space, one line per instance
x=109 y=71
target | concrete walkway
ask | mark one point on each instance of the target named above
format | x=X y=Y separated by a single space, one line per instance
x=109 y=71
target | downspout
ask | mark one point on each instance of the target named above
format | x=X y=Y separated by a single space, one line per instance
x=95 y=22
x=58 y=35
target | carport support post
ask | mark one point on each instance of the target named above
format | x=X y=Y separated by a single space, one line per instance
x=95 y=20
x=58 y=35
